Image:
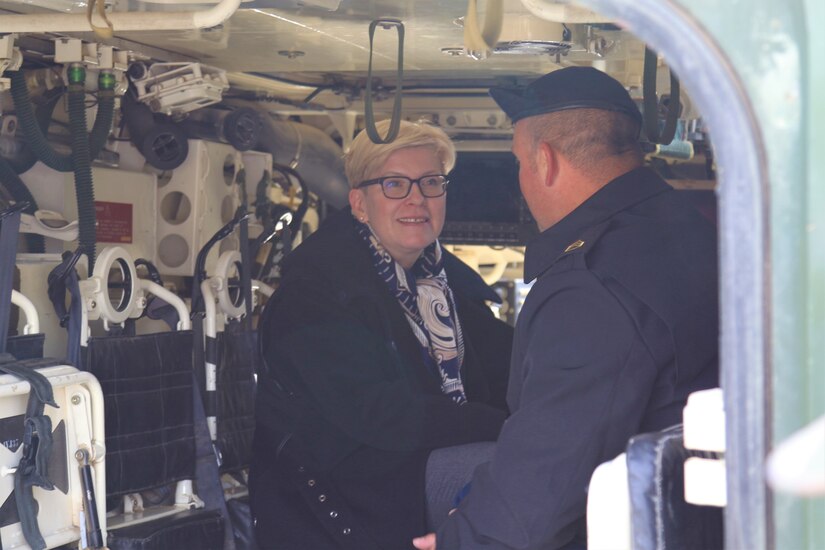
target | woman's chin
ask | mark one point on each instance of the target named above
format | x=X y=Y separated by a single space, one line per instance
x=419 y=247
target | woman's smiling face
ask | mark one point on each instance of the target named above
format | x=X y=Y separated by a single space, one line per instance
x=405 y=226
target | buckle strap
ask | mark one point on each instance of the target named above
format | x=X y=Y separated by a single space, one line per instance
x=32 y=470
x=37 y=446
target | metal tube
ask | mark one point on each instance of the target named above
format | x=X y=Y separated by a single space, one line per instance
x=121 y=22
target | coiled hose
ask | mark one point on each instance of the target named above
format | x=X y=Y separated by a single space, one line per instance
x=82 y=164
x=43 y=113
x=105 y=114
x=37 y=138
x=20 y=193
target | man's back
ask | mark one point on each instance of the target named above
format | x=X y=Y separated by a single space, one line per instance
x=619 y=327
x=653 y=252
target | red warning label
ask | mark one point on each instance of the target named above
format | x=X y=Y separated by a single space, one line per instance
x=114 y=222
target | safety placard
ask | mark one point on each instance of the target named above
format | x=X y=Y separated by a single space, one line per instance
x=114 y=222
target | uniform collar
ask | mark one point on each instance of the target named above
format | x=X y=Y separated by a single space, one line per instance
x=619 y=194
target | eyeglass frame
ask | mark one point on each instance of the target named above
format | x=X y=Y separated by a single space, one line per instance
x=417 y=181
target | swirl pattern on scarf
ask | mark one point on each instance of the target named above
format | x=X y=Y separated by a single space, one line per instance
x=428 y=303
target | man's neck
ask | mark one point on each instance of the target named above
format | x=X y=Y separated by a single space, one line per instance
x=581 y=185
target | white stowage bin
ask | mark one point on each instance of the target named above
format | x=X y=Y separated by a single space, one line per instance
x=77 y=430
x=704 y=421
x=704 y=430
x=608 y=507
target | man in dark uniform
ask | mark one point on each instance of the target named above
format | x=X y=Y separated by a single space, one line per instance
x=619 y=327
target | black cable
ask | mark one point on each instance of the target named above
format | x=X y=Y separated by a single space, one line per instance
x=281 y=241
x=341 y=85
x=151 y=270
x=314 y=93
x=293 y=82
x=200 y=261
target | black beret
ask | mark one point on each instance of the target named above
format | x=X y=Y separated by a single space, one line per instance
x=568 y=88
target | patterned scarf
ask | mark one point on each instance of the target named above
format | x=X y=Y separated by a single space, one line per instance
x=429 y=306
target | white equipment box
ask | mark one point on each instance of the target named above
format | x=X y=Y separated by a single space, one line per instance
x=125 y=205
x=199 y=197
x=76 y=424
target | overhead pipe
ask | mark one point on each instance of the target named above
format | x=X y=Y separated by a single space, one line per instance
x=311 y=153
x=563 y=13
x=121 y=21
x=32 y=325
x=240 y=127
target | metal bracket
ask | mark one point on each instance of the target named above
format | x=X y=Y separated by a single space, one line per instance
x=10 y=59
x=95 y=57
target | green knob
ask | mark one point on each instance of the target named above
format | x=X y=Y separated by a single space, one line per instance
x=77 y=74
x=106 y=81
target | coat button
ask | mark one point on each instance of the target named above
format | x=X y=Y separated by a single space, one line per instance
x=346 y=531
x=333 y=514
x=322 y=498
x=311 y=483
x=301 y=469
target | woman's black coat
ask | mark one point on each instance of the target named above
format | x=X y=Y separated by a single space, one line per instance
x=347 y=412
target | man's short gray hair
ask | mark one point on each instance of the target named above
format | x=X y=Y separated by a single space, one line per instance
x=586 y=137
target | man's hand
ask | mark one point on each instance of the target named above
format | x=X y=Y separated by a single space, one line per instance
x=427 y=542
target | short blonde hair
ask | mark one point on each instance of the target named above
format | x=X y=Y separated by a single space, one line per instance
x=365 y=158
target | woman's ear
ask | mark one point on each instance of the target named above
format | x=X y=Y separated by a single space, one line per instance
x=356 y=202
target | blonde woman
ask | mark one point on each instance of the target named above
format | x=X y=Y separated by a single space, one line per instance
x=379 y=354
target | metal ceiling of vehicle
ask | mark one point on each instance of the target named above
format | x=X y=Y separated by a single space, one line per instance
x=312 y=40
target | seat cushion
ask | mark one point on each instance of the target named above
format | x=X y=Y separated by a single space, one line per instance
x=189 y=530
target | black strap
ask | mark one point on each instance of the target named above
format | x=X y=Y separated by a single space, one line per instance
x=651 y=107
x=9 y=229
x=369 y=116
x=32 y=470
x=62 y=278
x=246 y=262
x=156 y=308
x=207 y=473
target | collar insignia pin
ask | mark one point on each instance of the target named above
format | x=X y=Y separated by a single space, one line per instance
x=573 y=246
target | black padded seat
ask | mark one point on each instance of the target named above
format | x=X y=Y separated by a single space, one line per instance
x=190 y=530
x=661 y=518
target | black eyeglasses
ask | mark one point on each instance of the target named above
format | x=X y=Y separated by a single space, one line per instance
x=398 y=187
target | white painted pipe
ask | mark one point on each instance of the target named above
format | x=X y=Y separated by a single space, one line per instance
x=184 y=322
x=563 y=13
x=121 y=21
x=32 y=325
x=263 y=288
x=210 y=310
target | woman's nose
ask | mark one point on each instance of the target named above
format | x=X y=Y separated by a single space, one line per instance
x=416 y=196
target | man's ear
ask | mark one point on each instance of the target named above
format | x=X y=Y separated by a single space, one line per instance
x=356 y=202
x=548 y=164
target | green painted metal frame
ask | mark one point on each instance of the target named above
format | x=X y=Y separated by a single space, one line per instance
x=754 y=69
